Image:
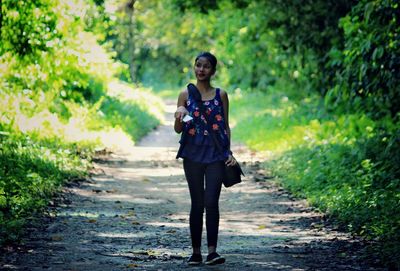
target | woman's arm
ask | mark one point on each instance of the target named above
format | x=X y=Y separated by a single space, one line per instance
x=225 y=103
x=180 y=111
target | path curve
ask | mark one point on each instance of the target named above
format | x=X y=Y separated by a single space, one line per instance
x=132 y=214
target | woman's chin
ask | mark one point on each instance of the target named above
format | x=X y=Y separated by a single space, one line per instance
x=203 y=78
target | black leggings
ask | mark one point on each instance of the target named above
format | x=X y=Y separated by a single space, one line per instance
x=201 y=197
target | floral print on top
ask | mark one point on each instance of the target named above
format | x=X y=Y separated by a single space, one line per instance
x=199 y=144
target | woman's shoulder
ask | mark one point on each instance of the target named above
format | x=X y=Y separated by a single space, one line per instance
x=184 y=94
x=182 y=98
x=223 y=93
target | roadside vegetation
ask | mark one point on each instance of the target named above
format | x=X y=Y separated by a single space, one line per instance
x=60 y=100
x=345 y=165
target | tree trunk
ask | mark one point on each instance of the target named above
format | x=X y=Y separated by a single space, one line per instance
x=131 y=41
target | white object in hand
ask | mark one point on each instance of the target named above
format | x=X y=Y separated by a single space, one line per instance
x=187 y=118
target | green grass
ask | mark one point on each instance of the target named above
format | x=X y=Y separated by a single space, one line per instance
x=57 y=104
x=42 y=148
x=167 y=92
x=273 y=122
x=348 y=166
x=32 y=171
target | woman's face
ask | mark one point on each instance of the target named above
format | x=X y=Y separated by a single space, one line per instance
x=203 y=69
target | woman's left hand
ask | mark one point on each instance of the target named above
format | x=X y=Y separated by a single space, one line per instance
x=231 y=161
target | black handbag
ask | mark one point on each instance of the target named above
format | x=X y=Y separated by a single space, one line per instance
x=233 y=174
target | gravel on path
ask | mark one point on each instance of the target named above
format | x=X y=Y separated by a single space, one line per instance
x=132 y=214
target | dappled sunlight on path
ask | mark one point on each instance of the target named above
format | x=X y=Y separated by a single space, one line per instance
x=133 y=214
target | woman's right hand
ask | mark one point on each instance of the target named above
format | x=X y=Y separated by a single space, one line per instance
x=180 y=113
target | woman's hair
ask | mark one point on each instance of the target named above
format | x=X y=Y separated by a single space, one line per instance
x=210 y=57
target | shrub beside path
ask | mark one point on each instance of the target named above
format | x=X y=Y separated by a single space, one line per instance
x=132 y=214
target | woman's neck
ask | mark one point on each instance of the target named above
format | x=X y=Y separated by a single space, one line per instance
x=204 y=86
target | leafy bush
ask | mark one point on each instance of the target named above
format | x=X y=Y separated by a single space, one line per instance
x=58 y=101
x=27 y=27
x=346 y=165
x=31 y=171
x=274 y=122
x=356 y=181
x=366 y=77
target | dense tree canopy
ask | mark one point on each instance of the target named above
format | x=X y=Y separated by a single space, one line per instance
x=347 y=50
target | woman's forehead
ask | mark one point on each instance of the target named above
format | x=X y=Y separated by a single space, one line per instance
x=203 y=60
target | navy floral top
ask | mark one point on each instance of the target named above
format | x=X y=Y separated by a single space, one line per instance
x=199 y=146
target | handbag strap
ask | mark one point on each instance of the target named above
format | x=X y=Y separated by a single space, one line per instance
x=197 y=97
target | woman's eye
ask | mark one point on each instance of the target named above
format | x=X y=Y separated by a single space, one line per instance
x=201 y=66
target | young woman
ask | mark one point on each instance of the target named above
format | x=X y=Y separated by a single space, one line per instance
x=203 y=162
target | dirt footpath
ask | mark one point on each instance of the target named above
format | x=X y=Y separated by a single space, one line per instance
x=132 y=214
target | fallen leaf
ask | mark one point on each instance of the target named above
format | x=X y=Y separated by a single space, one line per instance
x=131 y=213
x=262 y=227
x=135 y=223
x=92 y=221
x=56 y=238
x=152 y=253
x=132 y=265
x=317 y=225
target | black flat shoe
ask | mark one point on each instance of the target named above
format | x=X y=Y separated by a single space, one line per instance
x=195 y=259
x=214 y=258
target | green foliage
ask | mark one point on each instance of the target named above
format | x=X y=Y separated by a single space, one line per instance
x=367 y=77
x=346 y=165
x=357 y=183
x=254 y=48
x=247 y=56
x=273 y=122
x=27 y=27
x=31 y=171
x=310 y=29
x=346 y=50
x=137 y=113
x=58 y=101
x=134 y=117
x=203 y=6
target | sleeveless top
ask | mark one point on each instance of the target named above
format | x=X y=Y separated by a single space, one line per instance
x=199 y=145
